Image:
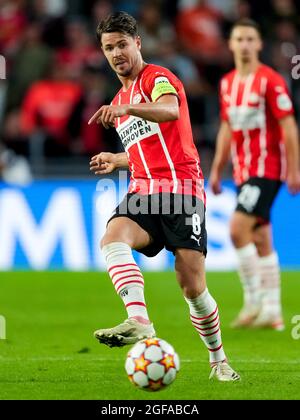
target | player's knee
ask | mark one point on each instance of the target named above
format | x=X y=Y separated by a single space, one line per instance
x=189 y=279
x=108 y=239
x=184 y=270
x=236 y=235
x=192 y=292
x=191 y=286
x=263 y=246
x=103 y=242
x=259 y=243
x=235 y=238
x=112 y=234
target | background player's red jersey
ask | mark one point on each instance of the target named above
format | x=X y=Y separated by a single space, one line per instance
x=162 y=157
x=253 y=108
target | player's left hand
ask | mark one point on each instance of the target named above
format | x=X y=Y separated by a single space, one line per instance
x=107 y=114
x=215 y=182
x=293 y=182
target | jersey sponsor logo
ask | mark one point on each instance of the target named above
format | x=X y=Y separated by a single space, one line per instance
x=246 y=118
x=284 y=103
x=135 y=129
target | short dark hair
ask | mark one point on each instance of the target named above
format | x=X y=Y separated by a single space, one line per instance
x=117 y=22
x=246 y=22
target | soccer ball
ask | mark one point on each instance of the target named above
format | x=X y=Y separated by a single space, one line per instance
x=152 y=364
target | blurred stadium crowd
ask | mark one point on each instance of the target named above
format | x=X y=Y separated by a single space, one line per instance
x=57 y=76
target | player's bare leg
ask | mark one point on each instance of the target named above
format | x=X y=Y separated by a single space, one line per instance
x=270 y=315
x=123 y=235
x=190 y=272
x=241 y=230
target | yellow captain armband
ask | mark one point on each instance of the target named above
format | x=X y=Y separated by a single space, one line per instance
x=162 y=87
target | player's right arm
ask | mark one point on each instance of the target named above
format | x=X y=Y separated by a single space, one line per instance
x=105 y=163
x=221 y=157
x=291 y=141
x=280 y=103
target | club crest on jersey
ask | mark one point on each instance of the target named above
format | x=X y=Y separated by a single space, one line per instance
x=137 y=98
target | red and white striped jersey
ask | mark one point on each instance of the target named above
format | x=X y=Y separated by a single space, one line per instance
x=162 y=157
x=253 y=108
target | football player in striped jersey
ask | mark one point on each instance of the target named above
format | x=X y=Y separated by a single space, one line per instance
x=150 y=114
x=259 y=128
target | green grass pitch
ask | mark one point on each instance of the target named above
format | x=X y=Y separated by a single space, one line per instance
x=50 y=352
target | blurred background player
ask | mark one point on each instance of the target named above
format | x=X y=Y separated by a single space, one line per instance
x=258 y=124
x=150 y=114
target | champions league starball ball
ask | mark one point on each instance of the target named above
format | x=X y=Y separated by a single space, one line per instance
x=152 y=364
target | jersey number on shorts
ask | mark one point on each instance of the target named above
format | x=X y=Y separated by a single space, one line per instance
x=196 y=221
x=249 y=196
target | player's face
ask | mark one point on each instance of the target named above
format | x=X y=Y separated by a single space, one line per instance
x=122 y=52
x=245 y=43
